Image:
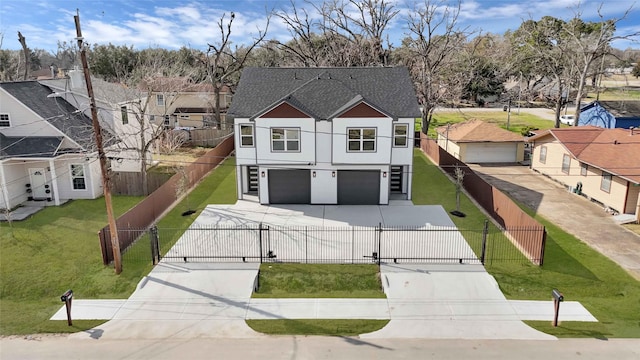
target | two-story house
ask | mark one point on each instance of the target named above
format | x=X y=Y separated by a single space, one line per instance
x=46 y=148
x=118 y=110
x=179 y=102
x=324 y=135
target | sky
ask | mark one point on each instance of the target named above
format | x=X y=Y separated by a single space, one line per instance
x=176 y=23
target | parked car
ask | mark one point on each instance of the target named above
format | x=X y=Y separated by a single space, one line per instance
x=567 y=119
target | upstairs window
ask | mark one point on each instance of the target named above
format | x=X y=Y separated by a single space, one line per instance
x=361 y=139
x=583 y=169
x=125 y=115
x=285 y=139
x=160 y=99
x=400 y=135
x=77 y=177
x=4 y=120
x=246 y=135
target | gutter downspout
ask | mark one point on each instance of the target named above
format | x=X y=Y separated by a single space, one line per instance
x=54 y=183
x=3 y=185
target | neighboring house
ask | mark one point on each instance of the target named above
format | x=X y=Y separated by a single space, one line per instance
x=46 y=150
x=611 y=114
x=116 y=113
x=179 y=103
x=324 y=135
x=477 y=141
x=604 y=163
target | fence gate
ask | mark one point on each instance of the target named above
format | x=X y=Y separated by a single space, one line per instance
x=308 y=244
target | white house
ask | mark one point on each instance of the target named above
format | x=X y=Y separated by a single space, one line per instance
x=46 y=150
x=324 y=135
x=118 y=114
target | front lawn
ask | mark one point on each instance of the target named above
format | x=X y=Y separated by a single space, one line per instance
x=570 y=265
x=55 y=250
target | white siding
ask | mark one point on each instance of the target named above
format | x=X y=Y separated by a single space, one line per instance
x=324 y=187
x=245 y=155
x=384 y=131
x=307 y=152
x=403 y=155
x=24 y=122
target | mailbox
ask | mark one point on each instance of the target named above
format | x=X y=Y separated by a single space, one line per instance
x=557 y=298
x=68 y=295
x=557 y=295
x=66 y=299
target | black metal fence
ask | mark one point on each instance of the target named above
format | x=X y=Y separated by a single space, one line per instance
x=308 y=244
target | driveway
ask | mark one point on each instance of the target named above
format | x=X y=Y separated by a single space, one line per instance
x=185 y=300
x=574 y=214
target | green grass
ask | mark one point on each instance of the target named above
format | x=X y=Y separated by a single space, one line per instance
x=58 y=249
x=319 y=281
x=571 y=266
x=55 y=250
x=317 y=327
x=612 y=94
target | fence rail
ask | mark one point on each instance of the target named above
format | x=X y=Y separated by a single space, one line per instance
x=341 y=245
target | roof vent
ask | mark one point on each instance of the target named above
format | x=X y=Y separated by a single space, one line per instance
x=632 y=129
x=615 y=142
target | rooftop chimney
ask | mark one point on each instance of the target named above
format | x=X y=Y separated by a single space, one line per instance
x=77 y=78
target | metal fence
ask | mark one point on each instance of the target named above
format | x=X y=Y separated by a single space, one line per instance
x=506 y=213
x=342 y=245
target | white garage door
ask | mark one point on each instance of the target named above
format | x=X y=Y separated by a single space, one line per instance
x=491 y=153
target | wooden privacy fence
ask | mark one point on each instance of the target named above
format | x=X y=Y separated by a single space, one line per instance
x=208 y=137
x=145 y=213
x=498 y=205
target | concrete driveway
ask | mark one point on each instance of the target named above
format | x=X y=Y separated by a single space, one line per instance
x=574 y=214
x=185 y=300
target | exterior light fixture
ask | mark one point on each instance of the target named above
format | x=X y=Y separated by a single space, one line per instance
x=262 y=174
x=333 y=174
x=314 y=174
x=384 y=174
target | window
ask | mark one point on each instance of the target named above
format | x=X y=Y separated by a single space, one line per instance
x=246 y=135
x=583 y=169
x=160 y=99
x=4 y=120
x=184 y=117
x=125 y=116
x=566 y=163
x=400 y=135
x=166 y=120
x=605 y=184
x=152 y=118
x=363 y=139
x=285 y=139
x=77 y=177
x=543 y=154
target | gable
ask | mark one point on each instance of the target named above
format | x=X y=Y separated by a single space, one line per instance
x=284 y=110
x=362 y=110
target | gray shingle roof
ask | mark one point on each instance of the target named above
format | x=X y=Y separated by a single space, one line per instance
x=45 y=146
x=57 y=111
x=323 y=92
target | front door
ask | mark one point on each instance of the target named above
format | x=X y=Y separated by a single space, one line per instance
x=38 y=182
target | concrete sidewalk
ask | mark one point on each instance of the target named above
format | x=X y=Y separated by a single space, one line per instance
x=213 y=300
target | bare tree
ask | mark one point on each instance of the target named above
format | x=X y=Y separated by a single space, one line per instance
x=361 y=24
x=304 y=45
x=590 y=42
x=434 y=37
x=26 y=52
x=223 y=61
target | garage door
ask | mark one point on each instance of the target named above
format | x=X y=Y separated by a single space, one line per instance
x=491 y=153
x=359 y=187
x=289 y=187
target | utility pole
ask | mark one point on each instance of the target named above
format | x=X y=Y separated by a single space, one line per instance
x=106 y=183
x=509 y=114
